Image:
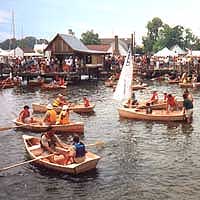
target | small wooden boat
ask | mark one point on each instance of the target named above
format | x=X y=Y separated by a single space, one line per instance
x=79 y=108
x=175 y=81
x=189 y=85
x=73 y=127
x=52 y=87
x=156 y=115
x=157 y=106
x=33 y=148
x=35 y=83
x=139 y=86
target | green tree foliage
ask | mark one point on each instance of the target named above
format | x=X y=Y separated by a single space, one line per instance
x=160 y=35
x=27 y=42
x=90 y=37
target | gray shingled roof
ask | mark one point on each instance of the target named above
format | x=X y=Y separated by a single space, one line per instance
x=77 y=45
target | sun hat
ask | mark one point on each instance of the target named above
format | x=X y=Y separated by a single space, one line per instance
x=49 y=106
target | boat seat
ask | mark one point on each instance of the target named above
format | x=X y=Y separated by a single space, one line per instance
x=34 y=147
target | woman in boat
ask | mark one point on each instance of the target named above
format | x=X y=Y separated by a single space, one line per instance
x=187 y=107
x=86 y=102
x=50 y=115
x=79 y=150
x=171 y=103
x=52 y=144
x=24 y=115
x=64 y=116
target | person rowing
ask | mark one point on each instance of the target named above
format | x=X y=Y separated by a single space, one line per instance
x=59 y=101
x=24 y=115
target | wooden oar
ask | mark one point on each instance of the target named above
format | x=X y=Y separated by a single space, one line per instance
x=11 y=127
x=25 y=162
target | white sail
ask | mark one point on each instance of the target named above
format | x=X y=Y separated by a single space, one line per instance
x=123 y=89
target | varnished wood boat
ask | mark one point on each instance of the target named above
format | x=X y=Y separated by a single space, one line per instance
x=35 y=83
x=33 y=148
x=52 y=87
x=139 y=87
x=157 y=106
x=78 y=108
x=156 y=115
x=189 y=85
x=73 y=127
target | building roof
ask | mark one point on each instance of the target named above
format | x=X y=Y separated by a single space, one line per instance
x=99 y=47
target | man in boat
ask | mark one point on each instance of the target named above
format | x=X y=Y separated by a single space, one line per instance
x=187 y=107
x=24 y=115
x=154 y=98
x=86 y=102
x=171 y=103
x=50 y=116
x=79 y=150
x=64 y=116
x=189 y=95
x=52 y=144
x=59 y=101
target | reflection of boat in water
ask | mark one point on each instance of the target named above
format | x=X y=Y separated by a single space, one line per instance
x=156 y=115
x=33 y=148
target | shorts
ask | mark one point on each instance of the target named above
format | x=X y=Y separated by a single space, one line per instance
x=188 y=113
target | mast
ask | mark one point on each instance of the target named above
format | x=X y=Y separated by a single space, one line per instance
x=13 y=28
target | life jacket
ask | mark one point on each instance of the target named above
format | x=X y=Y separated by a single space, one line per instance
x=56 y=102
x=63 y=117
x=80 y=149
x=24 y=114
x=171 y=101
x=86 y=103
x=52 y=117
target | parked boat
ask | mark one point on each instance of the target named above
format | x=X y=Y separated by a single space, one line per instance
x=52 y=87
x=156 y=115
x=78 y=108
x=139 y=86
x=33 y=148
x=73 y=127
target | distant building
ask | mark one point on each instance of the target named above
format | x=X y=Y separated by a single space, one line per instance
x=39 y=48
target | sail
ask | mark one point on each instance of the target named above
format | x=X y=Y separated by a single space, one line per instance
x=123 y=90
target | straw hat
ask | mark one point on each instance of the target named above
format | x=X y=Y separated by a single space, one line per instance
x=49 y=107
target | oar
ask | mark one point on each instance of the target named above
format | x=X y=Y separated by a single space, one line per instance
x=11 y=127
x=25 y=162
x=97 y=144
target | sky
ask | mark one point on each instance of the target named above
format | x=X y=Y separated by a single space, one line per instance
x=46 y=18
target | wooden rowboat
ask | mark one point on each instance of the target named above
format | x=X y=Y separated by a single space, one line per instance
x=35 y=83
x=34 y=150
x=157 y=106
x=73 y=127
x=79 y=108
x=139 y=87
x=52 y=87
x=189 y=85
x=173 y=81
x=156 y=115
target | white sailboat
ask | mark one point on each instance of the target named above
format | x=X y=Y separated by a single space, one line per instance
x=124 y=86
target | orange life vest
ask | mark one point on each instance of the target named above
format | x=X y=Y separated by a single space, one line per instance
x=52 y=116
x=64 y=117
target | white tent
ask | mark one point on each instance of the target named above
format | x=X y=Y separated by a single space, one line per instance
x=194 y=53
x=165 y=52
x=4 y=52
x=17 y=52
x=176 y=49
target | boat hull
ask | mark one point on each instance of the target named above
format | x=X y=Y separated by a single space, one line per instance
x=90 y=162
x=157 y=115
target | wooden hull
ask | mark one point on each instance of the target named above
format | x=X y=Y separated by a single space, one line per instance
x=90 y=162
x=35 y=83
x=79 y=108
x=52 y=87
x=75 y=127
x=173 y=81
x=139 y=87
x=157 y=106
x=189 y=85
x=157 y=115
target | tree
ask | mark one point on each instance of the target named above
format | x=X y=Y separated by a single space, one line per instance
x=90 y=38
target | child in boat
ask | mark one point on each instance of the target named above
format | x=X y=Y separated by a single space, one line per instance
x=63 y=117
x=24 y=115
x=171 y=103
x=148 y=108
x=86 y=102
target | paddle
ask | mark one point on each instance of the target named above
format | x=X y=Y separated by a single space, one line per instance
x=11 y=127
x=25 y=162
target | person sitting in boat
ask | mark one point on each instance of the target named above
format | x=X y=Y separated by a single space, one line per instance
x=59 y=101
x=52 y=144
x=50 y=115
x=171 y=103
x=187 y=107
x=24 y=115
x=148 y=108
x=154 y=98
x=189 y=95
x=79 y=150
x=165 y=97
x=64 y=116
x=61 y=81
x=86 y=102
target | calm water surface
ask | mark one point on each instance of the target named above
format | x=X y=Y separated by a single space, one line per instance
x=140 y=160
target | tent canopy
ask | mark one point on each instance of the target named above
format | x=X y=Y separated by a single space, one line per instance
x=165 y=52
x=176 y=49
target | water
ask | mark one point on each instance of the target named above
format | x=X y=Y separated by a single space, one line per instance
x=140 y=160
